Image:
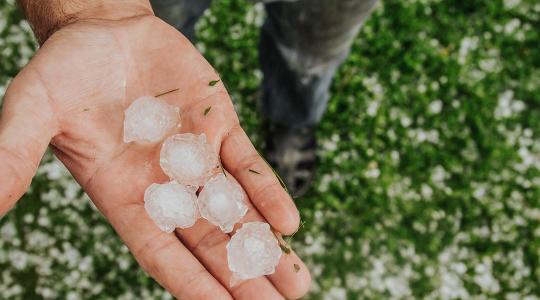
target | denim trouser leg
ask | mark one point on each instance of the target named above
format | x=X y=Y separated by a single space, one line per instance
x=302 y=44
x=181 y=14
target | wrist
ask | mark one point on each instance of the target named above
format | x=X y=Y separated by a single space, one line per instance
x=47 y=17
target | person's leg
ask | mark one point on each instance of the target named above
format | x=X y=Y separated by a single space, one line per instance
x=302 y=44
x=181 y=14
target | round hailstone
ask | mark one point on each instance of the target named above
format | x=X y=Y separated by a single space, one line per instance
x=171 y=205
x=222 y=203
x=149 y=119
x=188 y=159
x=253 y=251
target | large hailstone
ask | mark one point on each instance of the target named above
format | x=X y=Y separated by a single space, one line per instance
x=253 y=251
x=149 y=119
x=188 y=159
x=171 y=205
x=222 y=202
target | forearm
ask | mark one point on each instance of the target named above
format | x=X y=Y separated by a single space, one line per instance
x=48 y=16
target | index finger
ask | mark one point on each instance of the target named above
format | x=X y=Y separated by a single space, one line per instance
x=241 y=159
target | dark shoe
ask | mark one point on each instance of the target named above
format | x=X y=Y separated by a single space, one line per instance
x=291 y=151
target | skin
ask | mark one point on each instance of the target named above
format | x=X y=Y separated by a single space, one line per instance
x=72 y=97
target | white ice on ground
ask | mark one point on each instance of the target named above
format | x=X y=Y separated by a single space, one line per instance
x=253 y=251
x=188 y=159
x=171 y=205
x=222 y=203
x=149 y=119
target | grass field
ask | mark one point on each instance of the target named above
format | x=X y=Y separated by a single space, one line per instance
x=429 y=178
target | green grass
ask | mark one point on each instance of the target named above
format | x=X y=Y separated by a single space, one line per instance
x=429 y=164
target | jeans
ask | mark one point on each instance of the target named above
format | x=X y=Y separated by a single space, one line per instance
x=302 y=44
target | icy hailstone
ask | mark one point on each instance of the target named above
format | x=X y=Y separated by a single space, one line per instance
x=171 y=205
x=253 y=251
x=221 y=202
x=188 y=159
x=149 y=119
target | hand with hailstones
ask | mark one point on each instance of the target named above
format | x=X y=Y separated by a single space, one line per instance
x=74 y=96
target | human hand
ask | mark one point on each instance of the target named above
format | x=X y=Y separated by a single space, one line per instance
x=73 y=94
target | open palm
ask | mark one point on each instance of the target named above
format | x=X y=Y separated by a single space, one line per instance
x=72 y=96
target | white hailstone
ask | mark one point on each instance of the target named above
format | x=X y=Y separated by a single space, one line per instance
x=188 y=158
x=171 y=205
x=253 y=251
x=222 y=203
x=149 y=119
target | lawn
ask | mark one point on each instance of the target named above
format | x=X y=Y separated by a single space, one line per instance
x=428 y=184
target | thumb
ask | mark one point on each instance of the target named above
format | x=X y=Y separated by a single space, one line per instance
x=26 y=127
